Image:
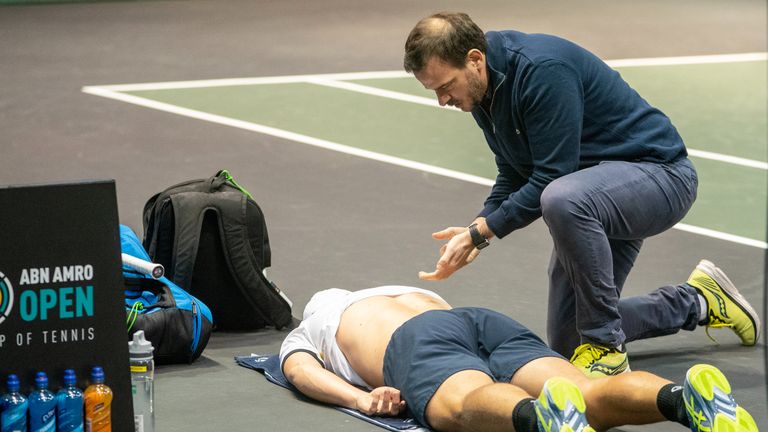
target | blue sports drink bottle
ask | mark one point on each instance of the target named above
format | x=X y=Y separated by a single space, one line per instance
x=42 y=406
x=69 y=405
x=14 y=408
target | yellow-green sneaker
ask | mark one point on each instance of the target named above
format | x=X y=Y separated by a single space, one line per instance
x=726 y=307
x=598 y=361
x=710 y=405
x=561 y=407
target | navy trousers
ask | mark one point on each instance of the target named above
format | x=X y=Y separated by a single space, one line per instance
x=598 y=218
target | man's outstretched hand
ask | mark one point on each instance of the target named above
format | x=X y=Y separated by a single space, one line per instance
x=458 y=252
x=381 y=401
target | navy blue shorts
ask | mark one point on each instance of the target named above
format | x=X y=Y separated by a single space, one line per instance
x=430 y=347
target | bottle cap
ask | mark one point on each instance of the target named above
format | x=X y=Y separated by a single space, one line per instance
x=69 y=377
x=97 y=375
x=41 y=380
x=140 y=347
x=13 y=383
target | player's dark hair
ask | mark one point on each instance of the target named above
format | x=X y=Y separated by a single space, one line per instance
x=448 y=36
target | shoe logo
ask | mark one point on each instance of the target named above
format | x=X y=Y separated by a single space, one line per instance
x=720 y=303
x=697 y=417
x=545 y=423
x=548 y=426
x=715 y=320
x=609 y=369
x=706 y=284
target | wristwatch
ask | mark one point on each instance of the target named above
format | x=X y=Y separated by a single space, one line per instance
x=477 y=239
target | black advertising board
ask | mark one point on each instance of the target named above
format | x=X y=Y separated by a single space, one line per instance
x=61 y=290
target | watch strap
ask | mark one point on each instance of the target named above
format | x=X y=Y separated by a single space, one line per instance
x=477 y=239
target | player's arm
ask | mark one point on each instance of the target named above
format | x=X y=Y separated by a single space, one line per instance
x=306 y=373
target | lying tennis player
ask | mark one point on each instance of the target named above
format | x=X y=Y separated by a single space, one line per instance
x=379 y=350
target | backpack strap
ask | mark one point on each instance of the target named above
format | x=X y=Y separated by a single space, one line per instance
x=189 y=212
x=190 y=202
x=230 y=207
x=245 y=265
x=155 y=205
x=149 y=214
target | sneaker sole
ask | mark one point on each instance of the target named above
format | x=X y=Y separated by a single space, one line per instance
x=743 y=423
x=730 y=291
x=708 y=380
x=705 y=379
x=713 y=388
x=562 y=392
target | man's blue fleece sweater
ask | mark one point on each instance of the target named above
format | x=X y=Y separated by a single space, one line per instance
x=553 y=108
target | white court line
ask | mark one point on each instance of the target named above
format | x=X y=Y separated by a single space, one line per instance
x=433 y=103
x=344 y=85
x=280 y=133
x=338 y=80
x=288 y=79
x=688 y=60
x=728 y=159
x=283 y=79
x=722 y=236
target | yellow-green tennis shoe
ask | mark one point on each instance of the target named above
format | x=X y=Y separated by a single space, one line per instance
x=726 y=307
x=597 y=361
x=710 y=405
x=561 y=407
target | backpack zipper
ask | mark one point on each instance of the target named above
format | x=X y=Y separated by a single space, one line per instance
x=195 y=327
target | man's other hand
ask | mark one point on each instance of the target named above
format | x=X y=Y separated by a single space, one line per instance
x=458 y=252
x=381 y=401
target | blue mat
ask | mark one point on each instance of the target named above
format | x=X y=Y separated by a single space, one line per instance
x=270 y=367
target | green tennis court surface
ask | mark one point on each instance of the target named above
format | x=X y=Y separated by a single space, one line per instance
x=718 y=108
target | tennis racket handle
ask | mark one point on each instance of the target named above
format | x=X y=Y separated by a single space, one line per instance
x=148 y=268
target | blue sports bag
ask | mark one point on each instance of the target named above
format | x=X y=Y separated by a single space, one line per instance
x=177 y=323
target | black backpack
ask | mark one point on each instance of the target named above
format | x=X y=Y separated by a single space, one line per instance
x=211 y=237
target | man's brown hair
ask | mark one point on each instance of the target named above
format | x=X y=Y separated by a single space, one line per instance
x=448 y=36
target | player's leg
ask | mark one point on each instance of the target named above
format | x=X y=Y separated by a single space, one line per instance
x=470 y=400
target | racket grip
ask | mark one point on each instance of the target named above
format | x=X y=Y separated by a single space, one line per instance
x=154 y=270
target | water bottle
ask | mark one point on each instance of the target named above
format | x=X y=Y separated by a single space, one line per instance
x=98 y=403
x=14 y=408
x=69 y=405
x=142 y=376
x=42 y=406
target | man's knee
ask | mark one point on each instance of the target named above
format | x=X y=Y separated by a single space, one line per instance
x=560 y=204
x=448 y=421
x=446 y=411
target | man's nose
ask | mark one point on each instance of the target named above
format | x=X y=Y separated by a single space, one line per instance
x=443 y=99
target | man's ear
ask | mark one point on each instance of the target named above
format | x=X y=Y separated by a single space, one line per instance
x=476 y=58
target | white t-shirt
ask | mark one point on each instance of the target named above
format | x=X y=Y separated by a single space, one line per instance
x=317 y=332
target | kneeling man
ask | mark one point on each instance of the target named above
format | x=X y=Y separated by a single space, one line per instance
x=380 y=350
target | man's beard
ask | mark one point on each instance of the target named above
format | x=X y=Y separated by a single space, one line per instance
x=475 y=88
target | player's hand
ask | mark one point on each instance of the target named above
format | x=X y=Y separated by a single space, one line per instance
x=458 y=252
x=381 y=401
